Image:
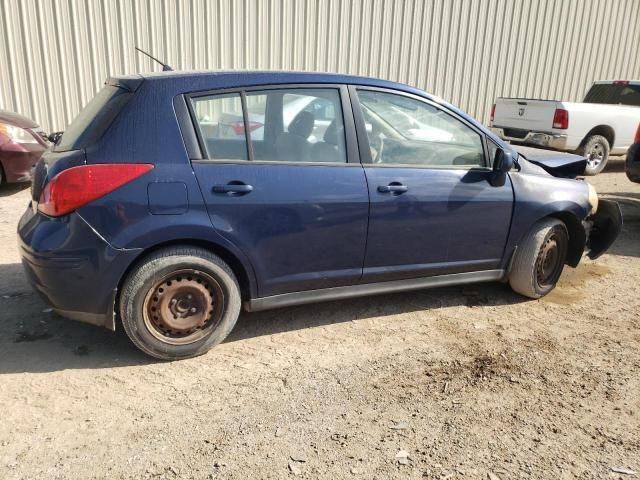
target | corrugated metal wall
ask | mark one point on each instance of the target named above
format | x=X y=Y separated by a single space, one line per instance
x=55 y=54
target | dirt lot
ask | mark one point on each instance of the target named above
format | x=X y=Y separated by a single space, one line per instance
x=470 y=382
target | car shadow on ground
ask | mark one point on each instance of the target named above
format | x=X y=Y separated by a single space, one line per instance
x=628 y=243
x=7 y=190
x=615 y=164
x=36 y=340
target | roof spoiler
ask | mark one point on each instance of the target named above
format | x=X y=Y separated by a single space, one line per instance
x=131 y=83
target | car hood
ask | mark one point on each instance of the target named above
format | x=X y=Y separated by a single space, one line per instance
x=16 y=119
x=562 y=165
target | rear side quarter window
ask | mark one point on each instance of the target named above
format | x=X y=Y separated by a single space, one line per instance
x=220 y=121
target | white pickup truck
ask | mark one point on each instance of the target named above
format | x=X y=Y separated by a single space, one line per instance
x=605 y=122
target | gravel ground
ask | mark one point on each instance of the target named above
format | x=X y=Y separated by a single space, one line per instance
x=453 y=383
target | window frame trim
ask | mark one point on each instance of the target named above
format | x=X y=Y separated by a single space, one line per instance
x=351 y=142
x=363 y=137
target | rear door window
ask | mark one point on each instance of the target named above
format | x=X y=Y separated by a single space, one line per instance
x=303 y=125
x=94 y=119
x=298 y=125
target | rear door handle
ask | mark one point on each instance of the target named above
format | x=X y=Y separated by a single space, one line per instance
x=394 y=187
x=233 y=188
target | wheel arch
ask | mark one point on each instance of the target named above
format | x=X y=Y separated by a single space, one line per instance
x=243 y=271
x=605 y=131
x=577 y=236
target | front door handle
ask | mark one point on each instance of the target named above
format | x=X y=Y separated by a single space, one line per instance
x=394 y=187
x=233 y=188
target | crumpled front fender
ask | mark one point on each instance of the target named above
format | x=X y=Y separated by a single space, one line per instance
x=603 y=228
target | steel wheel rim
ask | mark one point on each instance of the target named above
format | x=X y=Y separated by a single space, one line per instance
x=550 y=260
x=183 y=307
x=595 y=155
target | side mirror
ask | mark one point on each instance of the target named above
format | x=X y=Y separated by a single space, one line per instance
x=502 y=163
x=55 y=137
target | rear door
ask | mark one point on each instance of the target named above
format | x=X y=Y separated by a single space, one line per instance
x=296 y=203
x=524 y=114
x=433 y=208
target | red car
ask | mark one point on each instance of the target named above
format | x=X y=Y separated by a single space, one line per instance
x=22 y=142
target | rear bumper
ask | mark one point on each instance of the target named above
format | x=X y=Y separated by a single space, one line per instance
x=74 y=270
x=603 y=228
x=556 y=141
x=632 y=163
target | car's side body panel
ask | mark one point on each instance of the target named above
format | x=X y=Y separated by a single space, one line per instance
x=448 y=221
x=302 y=226
x=539 y=196
x=323 y=229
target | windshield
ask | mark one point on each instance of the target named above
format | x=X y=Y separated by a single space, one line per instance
x=94 y=119
x=615 y=94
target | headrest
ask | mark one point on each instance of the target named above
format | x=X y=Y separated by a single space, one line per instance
x=332 y=133
x=302 y=124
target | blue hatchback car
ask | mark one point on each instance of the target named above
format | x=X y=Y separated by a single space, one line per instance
x=173 y=199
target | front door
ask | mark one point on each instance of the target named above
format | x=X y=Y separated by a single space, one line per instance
x=285 y=185
x=433 y=209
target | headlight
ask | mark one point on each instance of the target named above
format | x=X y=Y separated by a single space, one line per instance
x=17 y=134
x=593 y=199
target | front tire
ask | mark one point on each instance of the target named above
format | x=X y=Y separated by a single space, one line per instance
x=596 y=149
x=540 y=259
x=179 y=302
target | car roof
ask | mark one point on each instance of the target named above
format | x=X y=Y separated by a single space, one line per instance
x=201 y=80
x=177 y=82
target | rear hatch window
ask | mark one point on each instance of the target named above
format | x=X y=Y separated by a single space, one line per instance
x=614 y=94
x=94 y=119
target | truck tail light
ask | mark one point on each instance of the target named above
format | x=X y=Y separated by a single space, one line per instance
x=493 y=112
x=636 y=139
x=238 y=127
x=561 y=119
x=77 y=186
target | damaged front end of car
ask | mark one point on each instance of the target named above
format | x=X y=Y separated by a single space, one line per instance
x=602 y=227
x=604 y=222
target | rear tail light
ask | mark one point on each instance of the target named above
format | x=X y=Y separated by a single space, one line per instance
x=238 y=127
x=621 y=82
x=77 y=186
x=636 y=139
x=561 y=119
x=493 y=112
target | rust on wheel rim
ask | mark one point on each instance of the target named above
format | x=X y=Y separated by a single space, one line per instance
x=183 y=307
x=548 y=264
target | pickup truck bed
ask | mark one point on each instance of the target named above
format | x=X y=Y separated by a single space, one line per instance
x=606 y=122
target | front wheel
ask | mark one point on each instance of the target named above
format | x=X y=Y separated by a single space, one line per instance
x=596 y=149
x=179 y=302
x=540 y=259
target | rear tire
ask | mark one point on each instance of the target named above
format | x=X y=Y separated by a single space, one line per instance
x=540 y=259
x=596 y=148
x=179 y=302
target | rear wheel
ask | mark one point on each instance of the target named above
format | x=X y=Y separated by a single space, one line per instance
x=179 y=303
x=596 y=149
x=540 y=259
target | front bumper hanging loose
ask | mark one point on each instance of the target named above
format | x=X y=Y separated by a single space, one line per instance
x=603 y=227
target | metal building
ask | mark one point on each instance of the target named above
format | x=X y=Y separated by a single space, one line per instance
x=55 y=54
